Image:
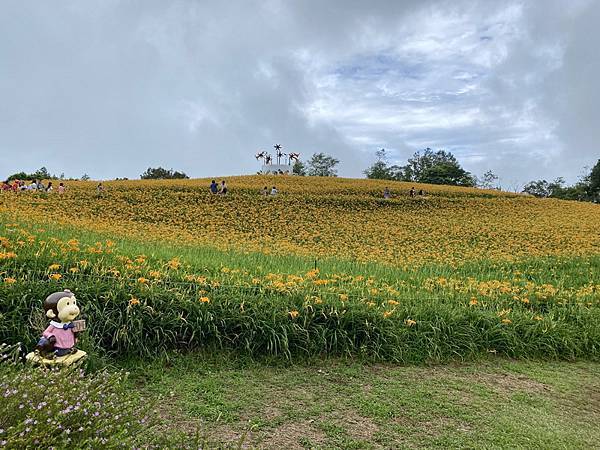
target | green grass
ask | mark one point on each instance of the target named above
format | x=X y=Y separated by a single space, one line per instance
x=347 y=404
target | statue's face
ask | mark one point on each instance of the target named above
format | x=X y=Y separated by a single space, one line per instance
x=67 y=309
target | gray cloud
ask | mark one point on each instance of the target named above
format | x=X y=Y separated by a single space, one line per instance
x=112 y=87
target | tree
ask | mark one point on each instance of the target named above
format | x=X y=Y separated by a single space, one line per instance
x=543 y=188
x=322 y=165
x=446 y=173
x=299 y=168
x=159 y=173
x=379 y=170
x=487 y=180
x=593 y=181
x=439 y=167
x=537 y=188
x=85 y=177
x=19 y=176
x=40 y=174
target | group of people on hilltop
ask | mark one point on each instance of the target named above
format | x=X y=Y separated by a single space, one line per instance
x=33 y=186
x=266 y=192
x=222 y=189
x=413 y=192
x=218 y=189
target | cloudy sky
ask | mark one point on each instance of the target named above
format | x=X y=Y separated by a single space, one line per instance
x=111 y=87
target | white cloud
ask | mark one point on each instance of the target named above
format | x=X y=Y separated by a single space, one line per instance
x=112 y=87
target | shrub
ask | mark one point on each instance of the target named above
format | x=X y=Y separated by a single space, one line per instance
x=66 y=407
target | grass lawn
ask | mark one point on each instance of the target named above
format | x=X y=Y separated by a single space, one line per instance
x=228 y=402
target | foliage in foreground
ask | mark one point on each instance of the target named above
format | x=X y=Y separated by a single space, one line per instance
x=66 y=408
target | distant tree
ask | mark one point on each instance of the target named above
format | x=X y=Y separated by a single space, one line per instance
x=85 y=177
x=40 y=174
x=543 y=188
x=19 y=176
x=322 y=165
x=447 y=173
x=439 y=167
x=587 y=187
x=487 y=180
x=537 y=188
x=379 y=170
x=159 y=173
x=593 y=182
x=299 y=168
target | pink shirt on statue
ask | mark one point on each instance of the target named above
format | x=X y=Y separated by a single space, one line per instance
x=64 y=338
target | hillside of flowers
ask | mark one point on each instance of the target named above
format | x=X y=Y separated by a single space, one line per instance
x=326 y=267
x=319 y=217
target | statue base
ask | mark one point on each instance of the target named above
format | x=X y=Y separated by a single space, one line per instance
x=66 y=360
x=275 y=169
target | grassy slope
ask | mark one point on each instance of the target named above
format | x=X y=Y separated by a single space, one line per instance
x=345 y=404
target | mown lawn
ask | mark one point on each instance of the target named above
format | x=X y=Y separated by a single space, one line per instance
x=224 y=402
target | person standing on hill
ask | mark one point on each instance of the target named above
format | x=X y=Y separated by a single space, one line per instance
x=214 y=188
x=265 y=191
x=274 y=191
x=386 y=192
x=61 y=188
x=412 y=191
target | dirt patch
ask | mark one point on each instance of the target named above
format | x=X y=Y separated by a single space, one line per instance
x=271 y=412
x=173 y=419
x=587 y=401
x=510 y=382
x=358 y=427
x=290 y=436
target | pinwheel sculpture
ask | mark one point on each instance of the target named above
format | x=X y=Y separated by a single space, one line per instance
x=279 y=153
x=262 y=155
x=293 y=157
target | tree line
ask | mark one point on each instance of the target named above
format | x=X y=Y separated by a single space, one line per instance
x=587 y=187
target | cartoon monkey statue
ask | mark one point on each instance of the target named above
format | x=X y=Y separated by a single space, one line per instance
x=59 y=339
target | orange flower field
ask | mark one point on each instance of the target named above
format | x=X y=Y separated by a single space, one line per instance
x=325 y=217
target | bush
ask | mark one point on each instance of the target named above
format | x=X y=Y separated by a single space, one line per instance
x=66 y=407
x=159 y=173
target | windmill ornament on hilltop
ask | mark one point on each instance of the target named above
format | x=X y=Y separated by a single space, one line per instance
x=277 y=169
